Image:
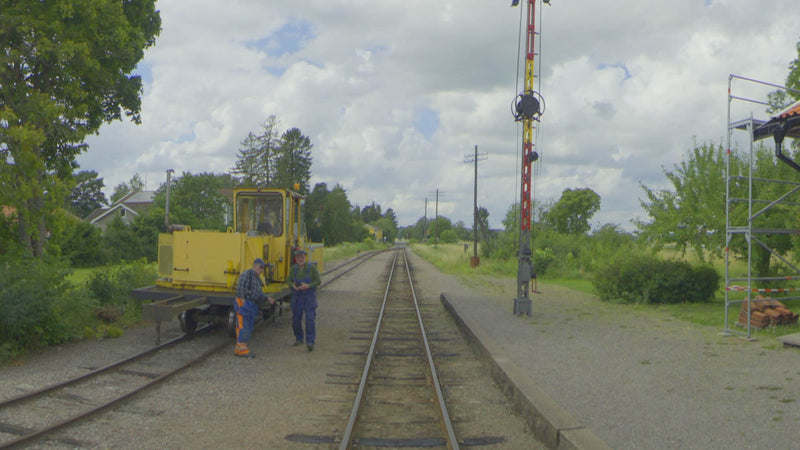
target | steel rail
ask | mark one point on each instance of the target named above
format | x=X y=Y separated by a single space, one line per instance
x=445 y=417
x=362 y=385
x=361 y=260
x=452 y=442
x=33 y=394
x=62 y=384
x=38 y=434
x=352 y=260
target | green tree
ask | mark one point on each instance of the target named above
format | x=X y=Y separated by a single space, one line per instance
x=392 y=226
x=64 y=71
x=781 y=216
x=135 y=184
x=419 y=230
x=257 y=154
x=196 y=200
x=137 y=240
x=780 y=99
x=371 y=213
x=572 y=212
x=8 y=234
x=78 y=241
x=293 y=161
x=462 y=232
x=388 y=228
x=338 y=222
x=511 y=220
x=314 y=207
x=449 y=237
x=87 y=194
x=438 y=226
x=692 y=213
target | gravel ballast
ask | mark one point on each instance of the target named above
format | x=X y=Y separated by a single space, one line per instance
x=637 y=378
x=634 y=378
x=229 y=402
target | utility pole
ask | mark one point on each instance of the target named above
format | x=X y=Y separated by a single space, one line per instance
x=166 y=212
x=435 y=231
x=529 y=108
x=435 y=227
x=425 y=222
x=475 y=261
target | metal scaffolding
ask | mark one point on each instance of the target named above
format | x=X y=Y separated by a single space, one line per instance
x=749 y=201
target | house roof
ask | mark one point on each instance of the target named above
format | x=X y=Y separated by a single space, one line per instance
x=96 y=213
x=133 y=202
x=790 y=111
x=787 y=122
x=137 y=197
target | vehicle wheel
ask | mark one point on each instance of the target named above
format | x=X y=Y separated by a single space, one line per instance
x=188 y=322
x=269 y=313
x=230 y=324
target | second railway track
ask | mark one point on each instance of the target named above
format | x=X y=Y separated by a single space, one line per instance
x=39 y=413
x=287 y=397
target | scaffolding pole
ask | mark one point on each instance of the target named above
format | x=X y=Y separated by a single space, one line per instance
x=738 y=226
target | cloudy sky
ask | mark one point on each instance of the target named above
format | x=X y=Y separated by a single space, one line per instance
x=394 y=95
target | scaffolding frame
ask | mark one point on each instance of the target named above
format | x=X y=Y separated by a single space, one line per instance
x=747 y=228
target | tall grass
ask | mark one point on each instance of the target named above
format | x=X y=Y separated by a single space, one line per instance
x=452 y=259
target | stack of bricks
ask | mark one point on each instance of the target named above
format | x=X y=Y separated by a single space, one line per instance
x=765 y=312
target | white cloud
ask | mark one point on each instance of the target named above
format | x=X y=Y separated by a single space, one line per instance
x=629 y=88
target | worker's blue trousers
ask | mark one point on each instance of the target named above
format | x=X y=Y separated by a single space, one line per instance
x=304 y=303
x=245 y=320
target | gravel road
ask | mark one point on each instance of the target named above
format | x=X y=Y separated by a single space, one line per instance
x=637 y=378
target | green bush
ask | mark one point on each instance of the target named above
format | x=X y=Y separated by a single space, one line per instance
x=40 y=307
x=30 y=292
x=647 y=279
x=114 y=286
x=131 y=242
x=604 y=245
x=448 y=237
x=543 y=260
x=83 y=245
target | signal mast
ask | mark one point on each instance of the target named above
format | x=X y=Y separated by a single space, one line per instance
x=528 y=108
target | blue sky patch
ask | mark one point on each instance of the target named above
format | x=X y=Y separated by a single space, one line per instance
x=187 y=137
x=276 y=71
x=144 y=70
x=617 y=66
x=287 y=40
x=426 y=121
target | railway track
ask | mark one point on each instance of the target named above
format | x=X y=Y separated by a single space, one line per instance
x=380 y=390
x=40 y=413
x=399 y=402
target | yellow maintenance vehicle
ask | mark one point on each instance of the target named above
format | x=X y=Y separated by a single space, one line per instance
x=198 y=270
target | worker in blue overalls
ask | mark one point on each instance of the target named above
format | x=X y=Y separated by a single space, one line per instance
x=303 y=280
x=249 y=294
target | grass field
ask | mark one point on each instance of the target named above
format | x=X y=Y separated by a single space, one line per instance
x=452 y=259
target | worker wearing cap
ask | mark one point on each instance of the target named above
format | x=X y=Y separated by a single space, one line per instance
x=249 y=293
x=303 y=280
